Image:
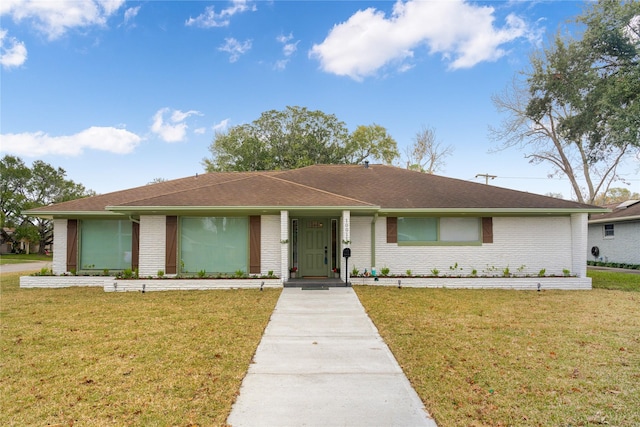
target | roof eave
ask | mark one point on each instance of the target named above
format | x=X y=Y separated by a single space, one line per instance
x=68 y=214
x=616 y=219
x=129 y=210
x=490 y=211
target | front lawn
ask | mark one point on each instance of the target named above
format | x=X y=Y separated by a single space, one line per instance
x=80 y=356
x=614 y=280
x=525 y=358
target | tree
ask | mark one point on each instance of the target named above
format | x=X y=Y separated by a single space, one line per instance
x=616 y=195
x=577 y=107
x=27 y=188
x=427 y=154
x=294 y=138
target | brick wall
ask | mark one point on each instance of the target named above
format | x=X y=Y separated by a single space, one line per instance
x=532 y=242
x=270 y=245
x=153 y=237
x=59 y=265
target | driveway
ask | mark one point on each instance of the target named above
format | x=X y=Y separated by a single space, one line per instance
x=26 y=267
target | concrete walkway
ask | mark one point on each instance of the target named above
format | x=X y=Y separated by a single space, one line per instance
x=321 y=362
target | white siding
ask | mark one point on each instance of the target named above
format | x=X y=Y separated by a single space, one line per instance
x=533 y=242
x=153 y=238
x=59 y=246
x=270 y=259
x=623 y=247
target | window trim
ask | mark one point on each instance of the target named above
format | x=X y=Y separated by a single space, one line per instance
x=612 y=230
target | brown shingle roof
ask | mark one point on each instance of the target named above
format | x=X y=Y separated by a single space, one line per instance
x=353 y=186
x=632 y=211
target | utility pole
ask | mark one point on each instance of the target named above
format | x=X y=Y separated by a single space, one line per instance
x=486 y=177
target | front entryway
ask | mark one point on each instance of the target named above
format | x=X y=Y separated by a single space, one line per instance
x=315 y=248
x=315 y=245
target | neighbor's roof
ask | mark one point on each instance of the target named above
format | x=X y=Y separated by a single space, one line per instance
x=378 y=187
x=627 y=211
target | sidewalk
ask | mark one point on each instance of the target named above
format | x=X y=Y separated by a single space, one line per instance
x=321 y=362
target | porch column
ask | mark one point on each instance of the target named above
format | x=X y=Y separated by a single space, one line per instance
x=345 y=241
x=579 y=230
x=284 y=252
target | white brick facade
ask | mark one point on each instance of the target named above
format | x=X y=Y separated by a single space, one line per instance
x=59 y=265
x=533 y=242
x=153 y=238
x=579 y=244
x=270 y=245
x=622 y=247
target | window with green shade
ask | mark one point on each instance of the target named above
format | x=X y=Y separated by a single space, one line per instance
x=214 y=244
x=105 y=244
x=417 y=230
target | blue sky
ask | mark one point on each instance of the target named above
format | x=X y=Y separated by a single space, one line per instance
x=121 y=92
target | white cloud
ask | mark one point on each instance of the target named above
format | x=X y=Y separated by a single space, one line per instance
x=114 y=140
x=130 y=14
x=200 y=131
x=234 y=48
x=288 y=49
x=222 y=126
x=54 y=18
x=176 y=128
x=464 y=34
x=13 y=53
x=209 y=18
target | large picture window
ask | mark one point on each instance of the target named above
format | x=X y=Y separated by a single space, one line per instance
x=430 y=230
x=214 y=244
x=105 y=244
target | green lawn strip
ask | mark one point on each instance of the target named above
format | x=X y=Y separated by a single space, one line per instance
x=502 y=357
x=614 y=280
x=79 y=355
x=23 y=258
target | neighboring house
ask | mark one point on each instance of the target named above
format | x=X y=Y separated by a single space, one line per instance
x=258 y=222
x=615 y=236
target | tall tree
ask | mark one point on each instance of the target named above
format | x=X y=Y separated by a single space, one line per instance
x=577 y=108
x=294 y=138
x=616 y=195
x=427 y=154
x=27 y=188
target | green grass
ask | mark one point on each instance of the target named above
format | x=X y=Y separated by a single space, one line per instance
x=614 y=280
x=502 y=357
x=22 y=258
x=80 y=356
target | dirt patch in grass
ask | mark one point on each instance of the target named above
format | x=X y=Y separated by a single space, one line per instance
x=82 y=356
x=498 y=358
